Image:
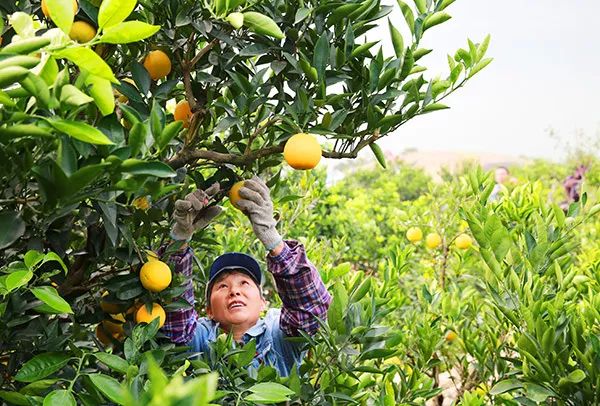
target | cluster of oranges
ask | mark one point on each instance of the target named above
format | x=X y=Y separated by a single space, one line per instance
x=155 y=276
x=433 y=240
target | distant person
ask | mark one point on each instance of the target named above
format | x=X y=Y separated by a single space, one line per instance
x=572 y=185
x=501 y=177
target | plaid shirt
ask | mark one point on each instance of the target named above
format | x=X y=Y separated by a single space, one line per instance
x=298 y=283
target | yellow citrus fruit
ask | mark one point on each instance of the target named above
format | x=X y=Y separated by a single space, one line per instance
x=46 y=11
x=109 y=306
x=183 y=112
x=234 y=193
x=113 y=327
x=414 y=234
x=142 y=315
x=463 y=241
x=302 y=151
x=451 y=336
x=155 y=276
x=158 y=64
x=102 y=335
x=433 y=240
x=82 y=32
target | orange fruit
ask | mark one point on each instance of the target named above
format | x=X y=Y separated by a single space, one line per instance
x=302 y=151
x=82 y=32
x=47 y=12
x=155 y=276
x=113 y=327
x=414 y=234
x=433 y=240
x=451 y=336
x=234 y=193
x=463 y=241
x=183 y=112
x=102 y=335
x=109 y=306
x=142 y=315
x=158 y=64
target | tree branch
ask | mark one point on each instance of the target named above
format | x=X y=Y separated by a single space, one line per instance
x=187 y=156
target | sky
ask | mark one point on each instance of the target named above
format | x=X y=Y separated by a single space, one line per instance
x=545 y=75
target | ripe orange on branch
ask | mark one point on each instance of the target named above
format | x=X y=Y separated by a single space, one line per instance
x=82 y=32
x=158 y=64
x=463 y=241
x=302 y=151
x=234 y=193
x=183 y=112
x=155 y=276
x=46 y=11
x=414 y=234
x=433 y=240
x=142 y=315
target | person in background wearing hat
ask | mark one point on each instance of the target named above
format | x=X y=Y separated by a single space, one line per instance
x=234 y=298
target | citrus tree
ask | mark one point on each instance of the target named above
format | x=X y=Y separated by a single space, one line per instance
x=111 y=109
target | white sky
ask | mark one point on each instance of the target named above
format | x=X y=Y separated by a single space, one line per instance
x=545 y=74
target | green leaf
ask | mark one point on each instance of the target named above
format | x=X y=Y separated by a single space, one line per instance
x=113 y=362
x=321 y=55
x=269 y=392
x=86 y=59
x=576 y=376
x=12 y=228
x=151 y=168
x=435 y=19
x=376 y=149
x=421 y=6
x=61 y=13
x=50 y=296
x=70 y=95
x=41 y=366
x=506 y=386
x=113 y=12
x=80 y=131
x=362 y=49
x=335 y=314
x=38 y=387
x=14 y=398
x=301 y=14
x=397 y=40
x=408 y=15
x=109 y=387
x=537 y=393
x=434 y=107
x=168 y=133
x=377 y=353
x=261 y=24
x=137 y=138
x=101 y=91
x=480 y=65
x=17 y=279
x=129 y=31
x=60 y=397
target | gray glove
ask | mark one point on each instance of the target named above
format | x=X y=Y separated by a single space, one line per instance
x=256 y=203
x=193 y=213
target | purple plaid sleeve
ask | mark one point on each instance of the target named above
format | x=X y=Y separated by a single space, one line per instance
x=301 y=289
x=180 y=325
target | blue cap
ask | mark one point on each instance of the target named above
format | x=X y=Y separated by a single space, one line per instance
x=233 y=261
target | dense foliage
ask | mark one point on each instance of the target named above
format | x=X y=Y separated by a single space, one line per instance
x=87 y=185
